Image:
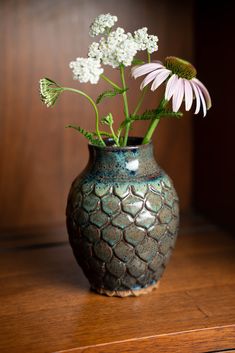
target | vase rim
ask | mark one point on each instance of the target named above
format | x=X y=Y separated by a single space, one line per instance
x=134 y=143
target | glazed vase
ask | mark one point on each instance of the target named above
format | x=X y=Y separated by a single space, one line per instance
x=122 y=219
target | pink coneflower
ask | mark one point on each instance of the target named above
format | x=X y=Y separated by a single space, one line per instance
x=181 y=84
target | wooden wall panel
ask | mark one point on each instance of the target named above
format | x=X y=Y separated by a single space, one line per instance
x=38 y=157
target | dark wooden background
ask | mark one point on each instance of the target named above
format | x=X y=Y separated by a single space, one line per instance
x=38 y=157
x=214 y=157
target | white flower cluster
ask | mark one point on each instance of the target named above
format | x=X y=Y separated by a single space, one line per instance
x=118 y=48
x=95 y=52
x=101 y=24
x=86 y=69
x=146 y=41
x=114 y=49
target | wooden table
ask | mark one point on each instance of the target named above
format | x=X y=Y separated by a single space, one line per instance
x=46 y=305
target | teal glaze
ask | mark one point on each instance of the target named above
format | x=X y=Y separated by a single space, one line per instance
x=121 y=164
x=122 y=218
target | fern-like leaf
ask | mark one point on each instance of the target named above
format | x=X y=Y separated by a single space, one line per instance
x=170 y=114
x=147 y=115
x=156 y=114
x=87 y=134
x=109 y=94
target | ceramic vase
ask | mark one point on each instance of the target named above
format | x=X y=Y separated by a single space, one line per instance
x=122 y=219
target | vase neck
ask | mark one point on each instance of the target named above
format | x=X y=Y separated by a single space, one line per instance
x=131 y=162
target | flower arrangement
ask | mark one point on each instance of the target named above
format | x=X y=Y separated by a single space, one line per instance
x=119 y=49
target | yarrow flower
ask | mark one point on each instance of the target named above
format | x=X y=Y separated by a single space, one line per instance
x=94 y=51
x=182 y=83
x=86 y=69
x=102 y=24
x=146 y=41
x=118 y=48
x=49 y=91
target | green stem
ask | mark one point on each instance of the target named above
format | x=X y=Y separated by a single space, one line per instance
x=114 y=135
x=94 y=106
x=148 y=57
x=126 y=109
x=104 y=133
x=110 y=81
x=119 y=134
x=136 y=109
x=141 y=99
x=154 y=123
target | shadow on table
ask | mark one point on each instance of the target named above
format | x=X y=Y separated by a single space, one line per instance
x=47 y=262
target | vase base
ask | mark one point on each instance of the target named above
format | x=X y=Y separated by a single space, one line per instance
x=126 y=293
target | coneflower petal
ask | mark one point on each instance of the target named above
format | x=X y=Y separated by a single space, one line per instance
x=170 y=86
x=198 y=102
x=138 y=71
x=160 y=78
x=150 y=77
x=204 y=91
x=203 y=101
x=188 y=94
x=178 y=95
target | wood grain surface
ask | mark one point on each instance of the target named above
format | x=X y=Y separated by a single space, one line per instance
x=38 y=157
x=46 y=305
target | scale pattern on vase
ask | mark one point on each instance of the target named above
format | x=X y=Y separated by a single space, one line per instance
x=122 y=235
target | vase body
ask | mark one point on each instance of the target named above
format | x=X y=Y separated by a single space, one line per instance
x=122 y=219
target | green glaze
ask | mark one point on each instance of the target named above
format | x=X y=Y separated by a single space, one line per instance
x=122 y=218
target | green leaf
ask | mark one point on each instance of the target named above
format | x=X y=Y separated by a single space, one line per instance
x=137 y=62
x=109 y=94
x=170 y=114
x=156 y=114
x=108 y=119
x=148 y=115
x=123 y=124
x=87 y=134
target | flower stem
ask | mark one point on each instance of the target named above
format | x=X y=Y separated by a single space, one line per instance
x=154 y=122
x=148 y=57
x=114 y=135
x=110 y=81
x=104 y=133
x=126 y=109
x=94 y=106
x=141 y=99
